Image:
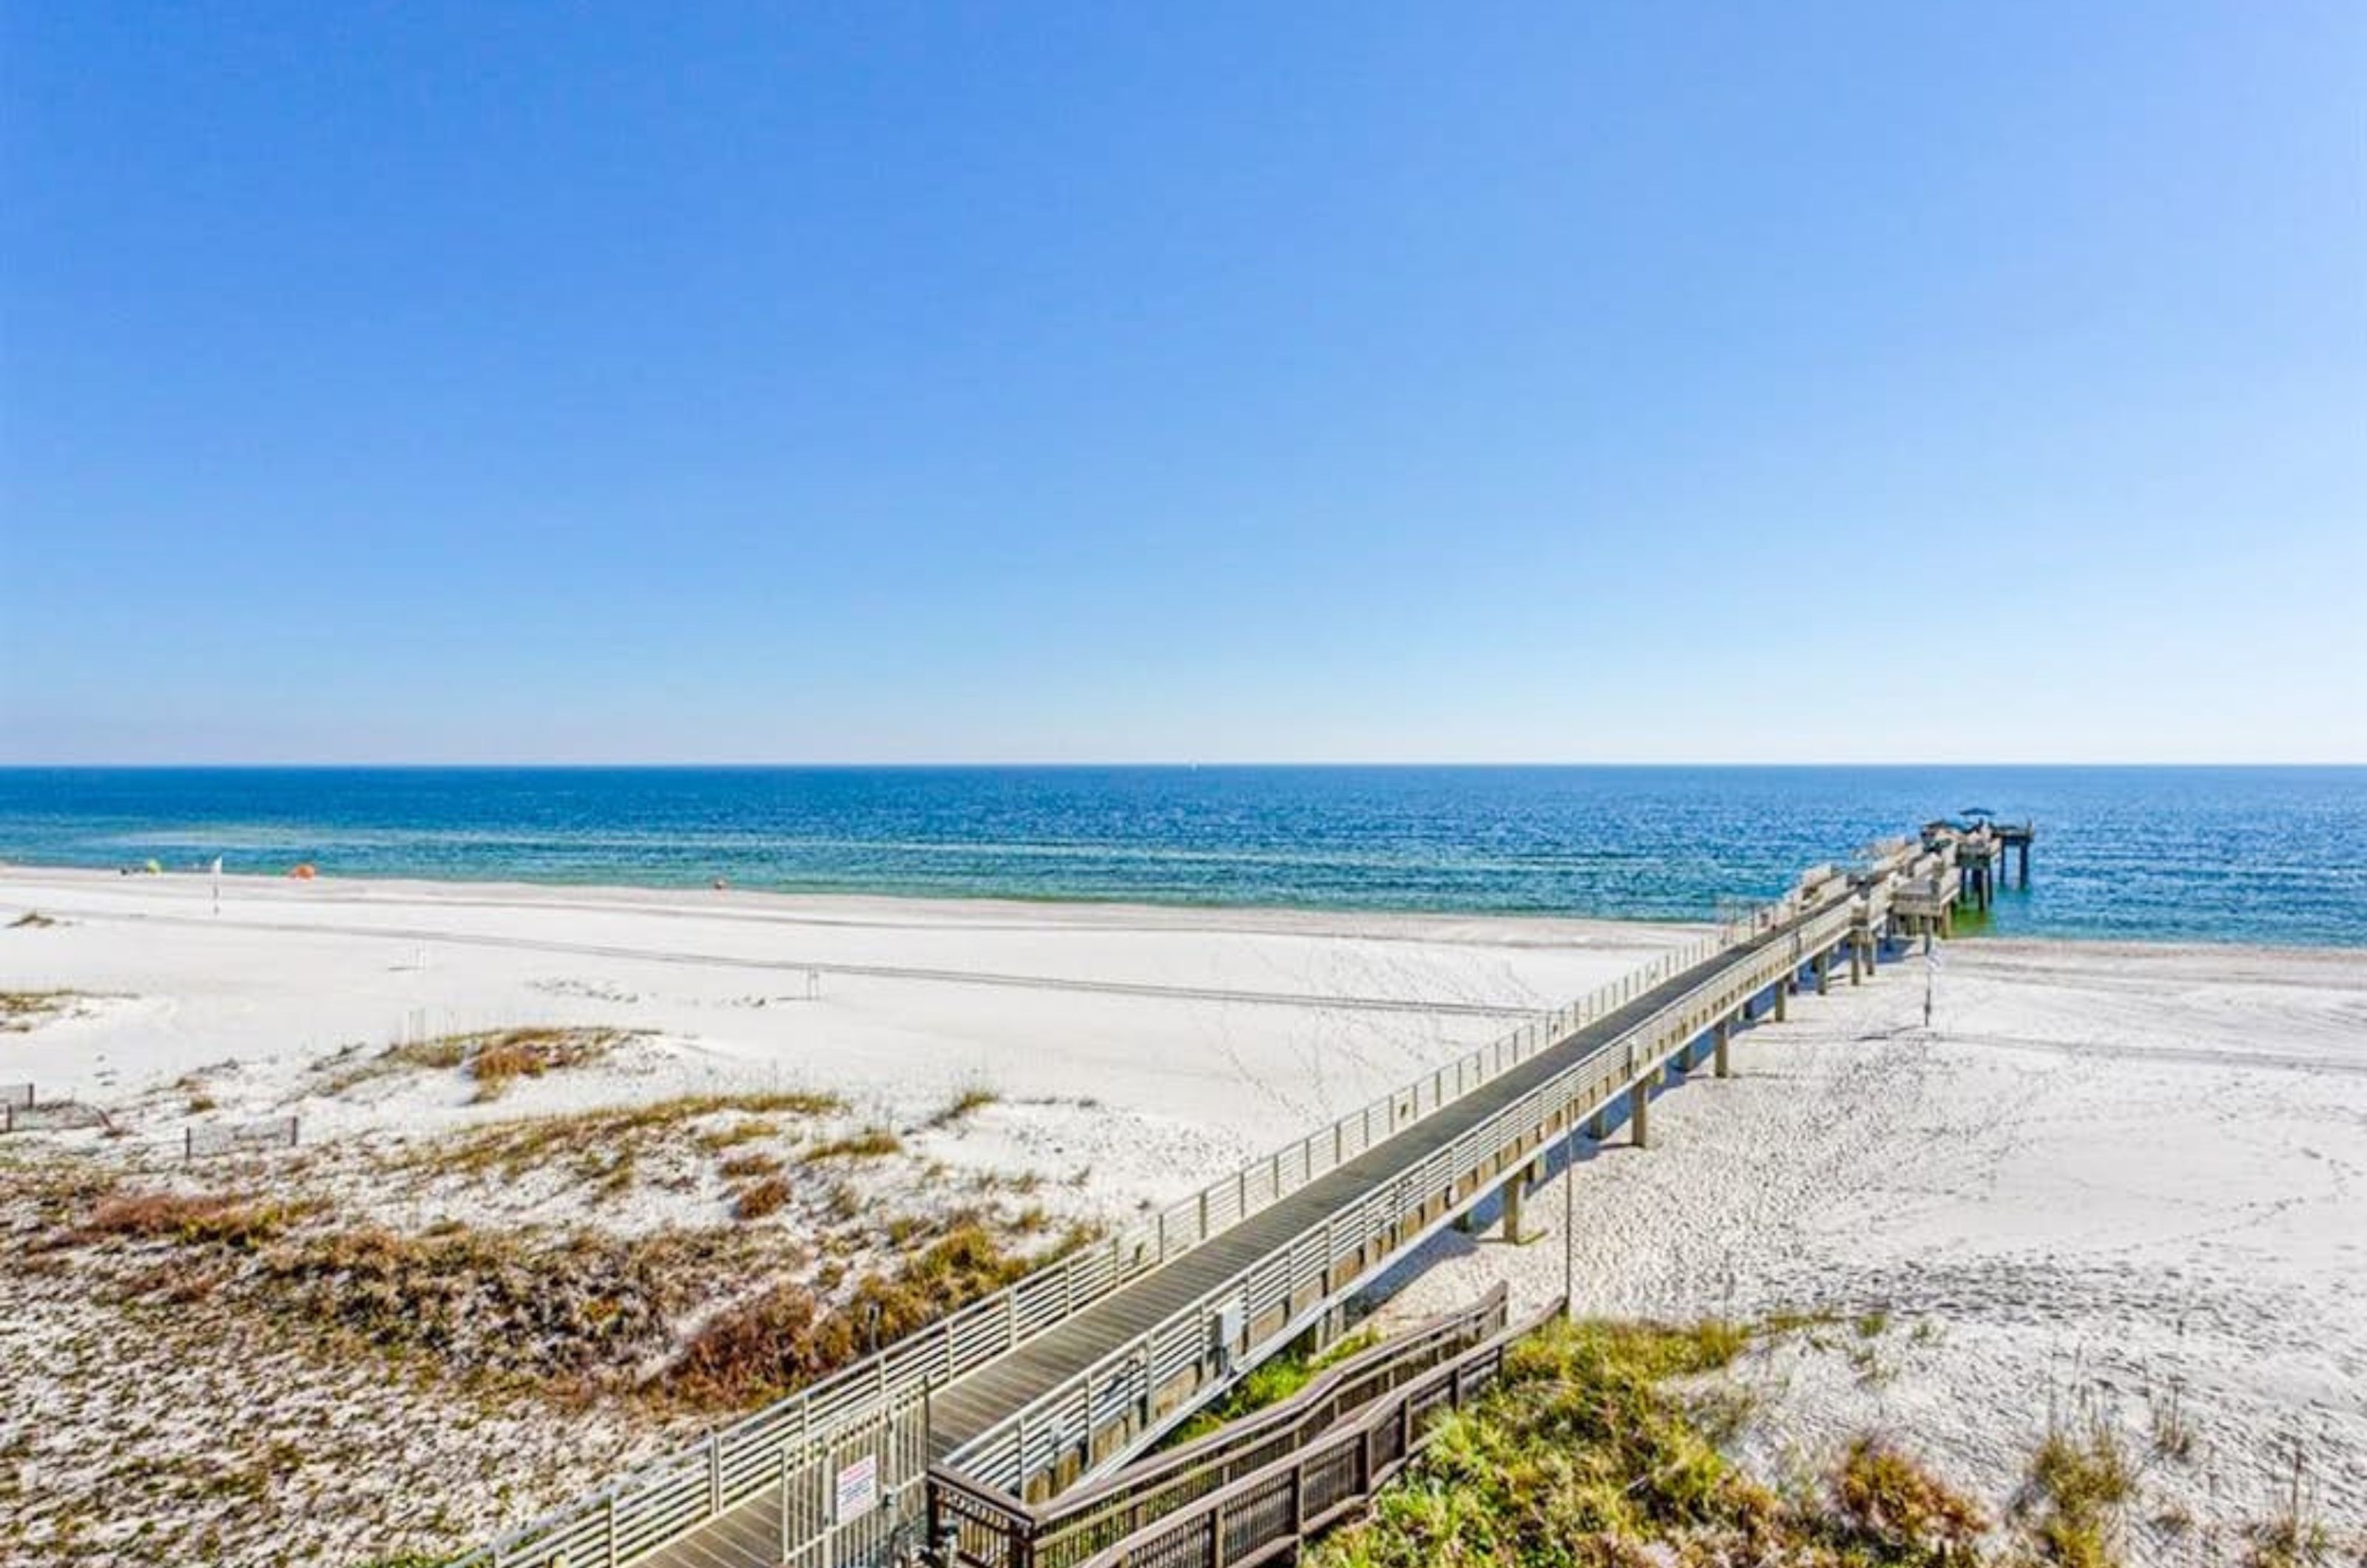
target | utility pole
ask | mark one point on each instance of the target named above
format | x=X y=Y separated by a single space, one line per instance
x=1931 y=974
x=1569 y=1217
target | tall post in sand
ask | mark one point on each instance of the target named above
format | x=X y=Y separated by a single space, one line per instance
x=1639 y=1114
x=1783 y=988
x=1930 y=973
x=1722 y=1033
x=1569 y=1222
x=1824 y=972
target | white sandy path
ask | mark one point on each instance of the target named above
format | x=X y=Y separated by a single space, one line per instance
x=2114 y=1177
x=1203 y=1036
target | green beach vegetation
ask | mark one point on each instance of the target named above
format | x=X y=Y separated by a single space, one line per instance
x=1271 y=1382
x=1606 y=1445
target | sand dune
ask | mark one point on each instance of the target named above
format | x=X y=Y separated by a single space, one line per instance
x=2122 y=1180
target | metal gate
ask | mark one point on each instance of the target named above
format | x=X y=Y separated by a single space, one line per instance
x=861 y=1499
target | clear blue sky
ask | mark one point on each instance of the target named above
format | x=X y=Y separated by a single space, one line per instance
x=1585 y=382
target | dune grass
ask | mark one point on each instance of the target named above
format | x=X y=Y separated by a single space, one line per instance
x=493 y=1058
x=762 y=1197
x=1271 y=1382
x=594 y=1141
x=224 y=1219
x=788 y=1336
x=21 y=1011
x=962 y=1107
x=2078 y=1485
x=1599 y=1448
x=872 y=1143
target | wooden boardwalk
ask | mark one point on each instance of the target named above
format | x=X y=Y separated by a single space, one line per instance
x=1087 y=1362
x=985 y=1400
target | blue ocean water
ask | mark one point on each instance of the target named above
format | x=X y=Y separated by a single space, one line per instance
x=2234 y=854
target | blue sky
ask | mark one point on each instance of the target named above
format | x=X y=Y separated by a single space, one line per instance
x=1360 y=382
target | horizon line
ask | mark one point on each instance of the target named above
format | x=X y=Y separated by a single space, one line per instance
x=1162 y=765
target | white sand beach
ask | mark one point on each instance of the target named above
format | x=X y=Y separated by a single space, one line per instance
x=2114 y=1181
x=1204 y=1037
x=1122 y=1056
x=2126 y=1180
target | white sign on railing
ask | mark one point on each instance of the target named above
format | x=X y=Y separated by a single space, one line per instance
x=857 y=1492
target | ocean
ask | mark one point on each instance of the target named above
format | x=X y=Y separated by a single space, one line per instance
x=2214 y=854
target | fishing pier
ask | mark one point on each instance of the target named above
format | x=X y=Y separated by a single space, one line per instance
x=985 y=1439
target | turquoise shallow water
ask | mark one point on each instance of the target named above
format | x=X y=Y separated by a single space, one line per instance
x=2267 y=855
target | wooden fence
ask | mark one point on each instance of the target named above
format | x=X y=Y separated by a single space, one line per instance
x=49 y=1116
x=201 y=1140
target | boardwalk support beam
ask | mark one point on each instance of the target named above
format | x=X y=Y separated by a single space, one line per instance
x=1512 y=1190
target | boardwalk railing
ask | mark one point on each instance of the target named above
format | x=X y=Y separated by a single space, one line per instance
x=661 y=1501
x=1273 y=1298
x=1266 y=1514
x=992 y=1529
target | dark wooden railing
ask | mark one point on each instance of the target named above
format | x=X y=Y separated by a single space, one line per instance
x=1268 y=1516
x=1358 y=1422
